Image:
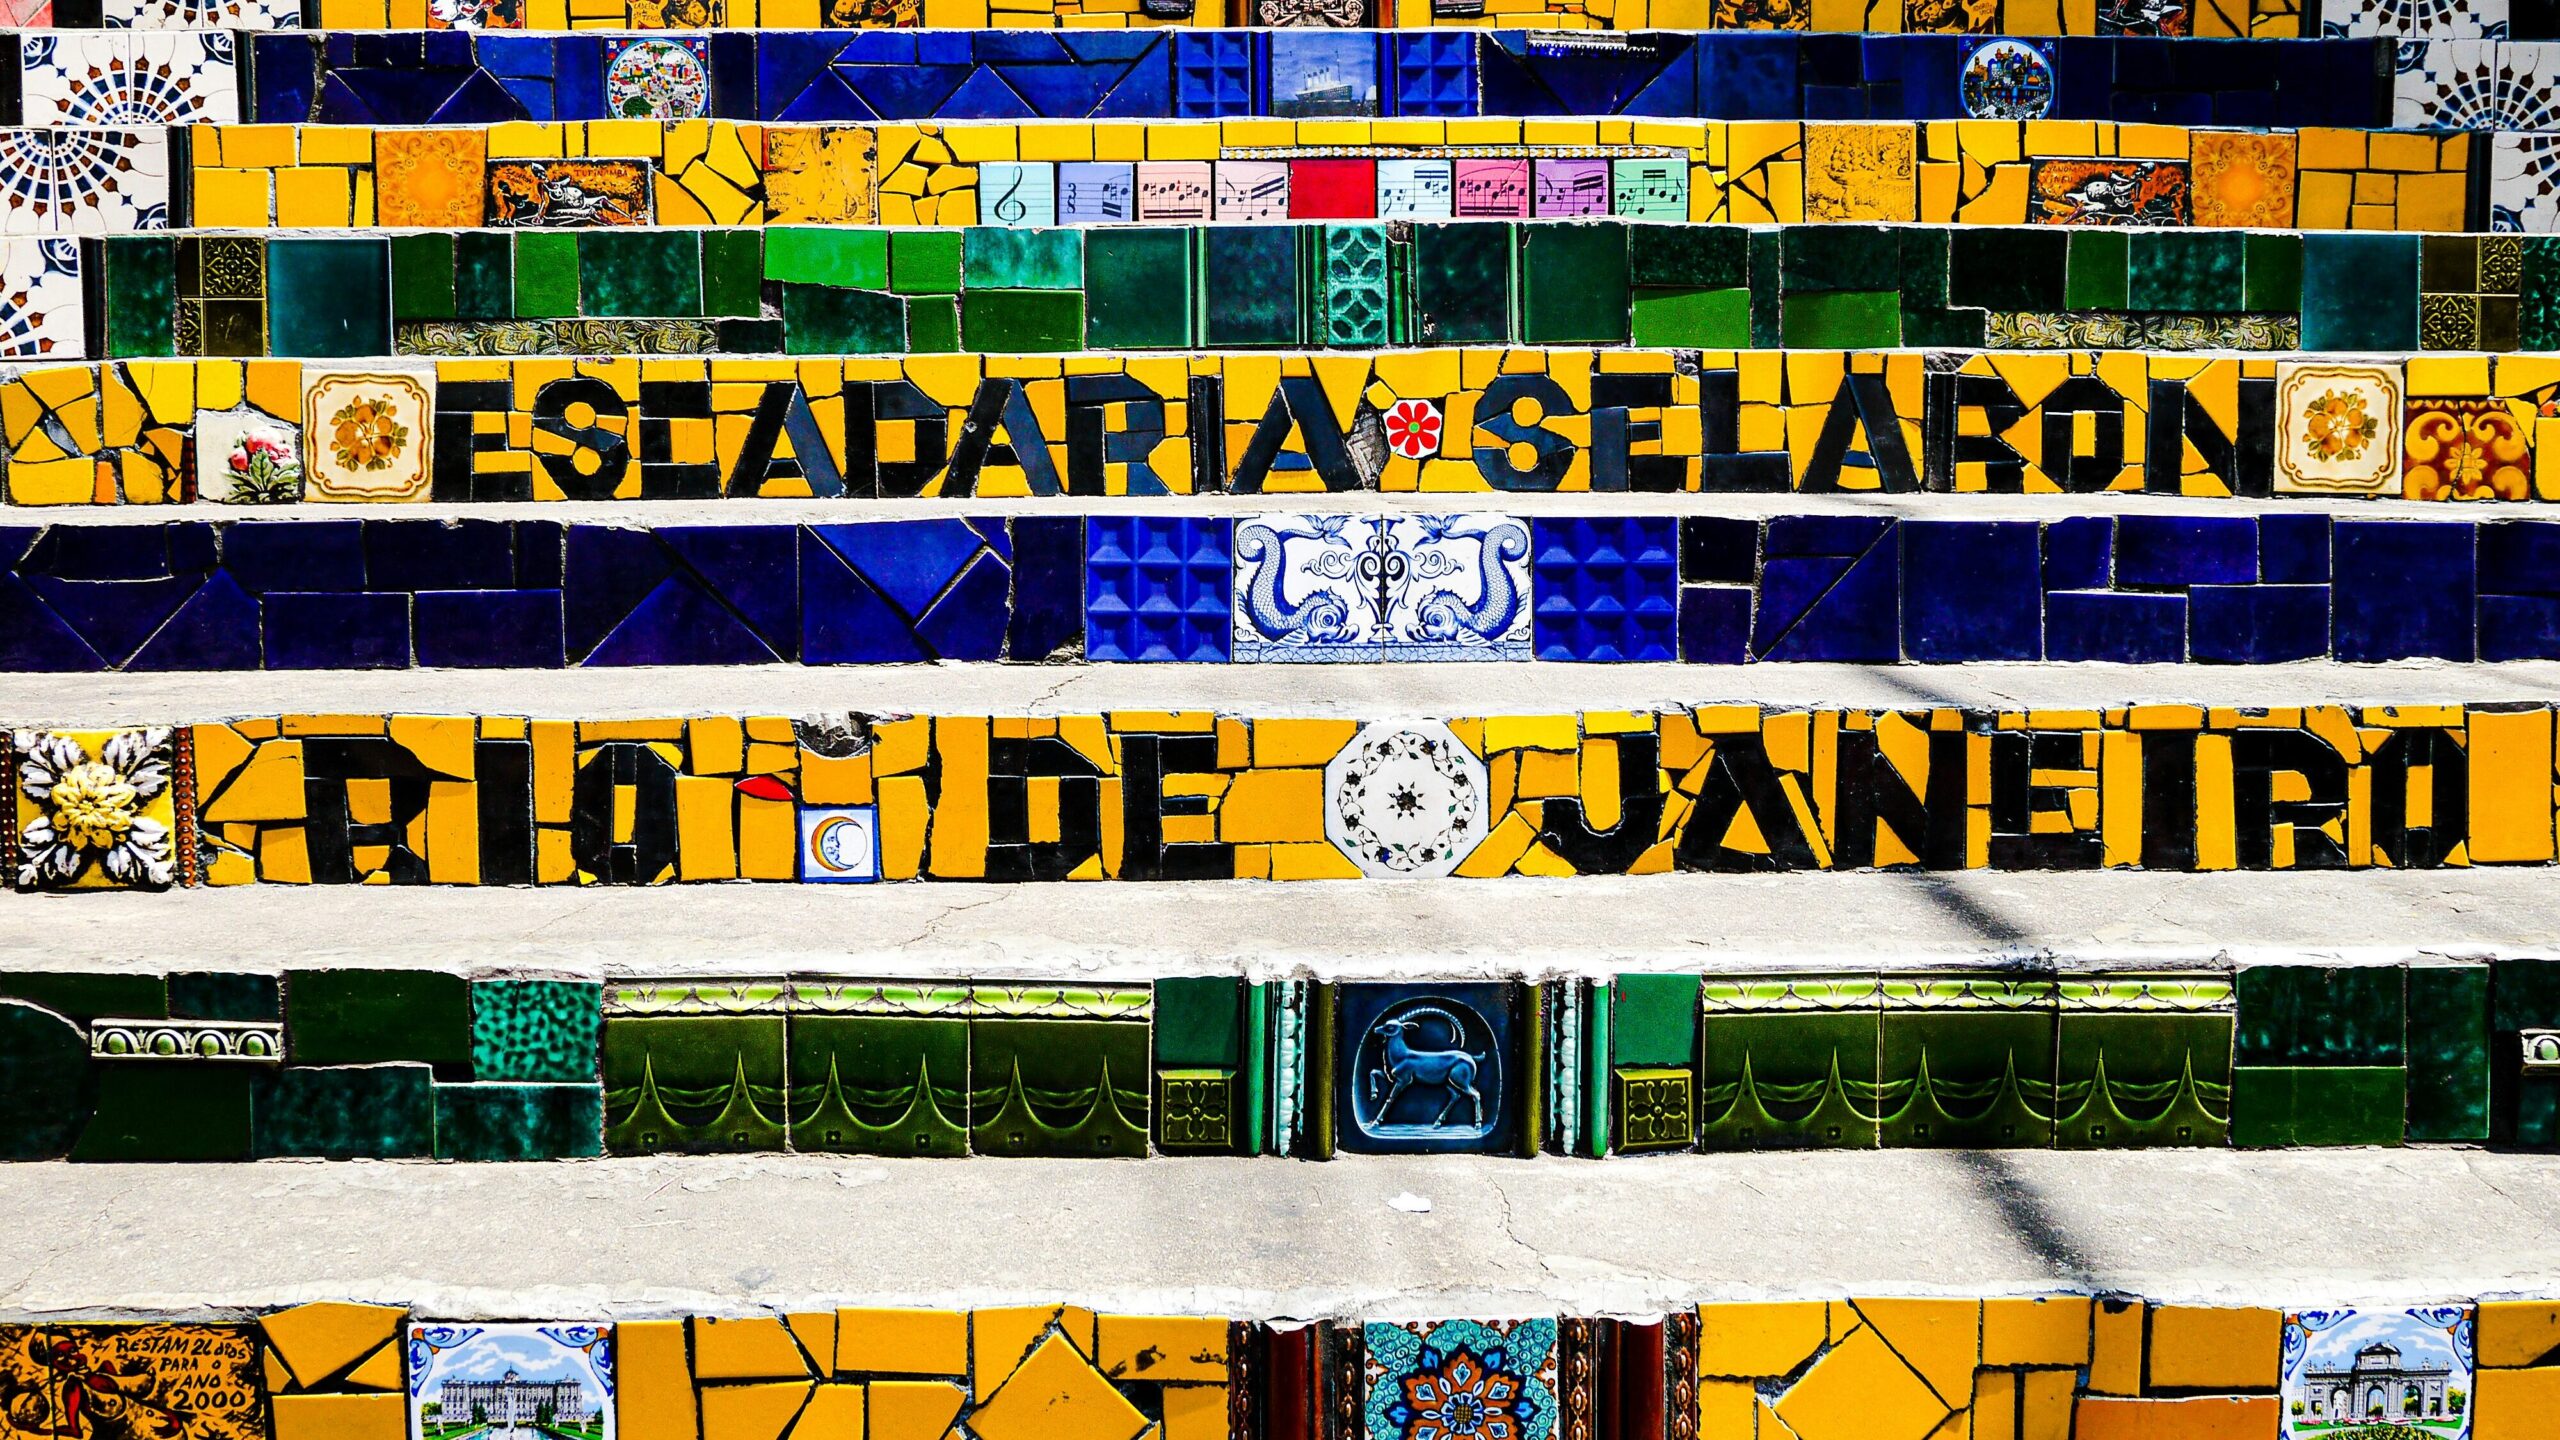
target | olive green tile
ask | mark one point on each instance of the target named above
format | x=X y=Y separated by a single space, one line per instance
x=695 y=1083
x=1653 y=1020
x=733 y=272
x=853 y=259
x=518 y=1121
x=535 y=1029
x=1768 y=264
x=170 y=1110
x=353 y=1017
x=422 y=277
x=1843 y=319
x=1839 y=257
x=1974 y=1079
x=924 y=262
x=1022 y=259
x=364 y=1112
x=2448 y=1052
x=880 y=1084
x=824 y=320
x=1788 y=1064
x=1138 y=291
x=1689 y=257
x=1573 y=284
x=1926 y=266
x=998 y=322
x=623 y=272
x=2273 y=282
x=1058 y=1087
x=2142 y=1079
x=44 y=1079
x=546 y=274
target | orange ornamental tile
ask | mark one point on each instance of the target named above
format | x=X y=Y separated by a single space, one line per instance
x=2243 y=178
x=430 y=177
x=2465 y=450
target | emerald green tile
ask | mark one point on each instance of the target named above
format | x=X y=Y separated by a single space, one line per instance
x=351 y=1017
x=1689 y=257
x=1248 y=285
x=2100 y=271
x=364 y=1112
x=1022 y=259
x=924 y=262
x=640 y=272
x=2185 y=271
x=823 y=320
x=880 y=1085
x=546 y=274
x=2523 y=995
x=695 y=1083
x=1839 y=257
x=1767 y=267
x=1199 y=1022
x=535 y=1029
x=733 y=272
x=44 y=1072
x=1057 y=1087
x=484 y=275
x=2275 y=1106
x=1960 y=1069
x=422 y=277
x=329 y=297
x=2536 y=1112
x=215 y=995
x=518 y=1121
x=2539 y=289
x=141 y=294
x=2006 y=269
x=170 y=1110
x=1653 y=1020
x=1925 y=268
x=1843 y=319
x=853 y=259
x=2128 y=1078
x=2320 y=1014
x=1712 y=319
x=2273 y=280
x=83 y=996
x=1461 y=282
x=1137 y=289
x=2448 y=1044
x=1945 y=329
x=933 y=325
x=995 y=322
x=1573 y=284
x=1788 y=1064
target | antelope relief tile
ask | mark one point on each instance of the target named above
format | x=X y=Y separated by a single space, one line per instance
x=1358 y=587
x=1429 y=1070
x=130 y=1382
x=2334 y=429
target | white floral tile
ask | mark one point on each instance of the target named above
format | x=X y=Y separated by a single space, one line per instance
x=41 y=309
x=2417 y=19
x=2524 y=173
x=83 y=181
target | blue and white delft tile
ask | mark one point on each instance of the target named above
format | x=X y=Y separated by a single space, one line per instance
x=507 y=1374
x=1382 y=587
x=202 y=14
x=83 y=181
x=124 y=78
x=40 y=300
x=2349 y=1368
x=2524 y=176
x=2476 y=85
x=2417 y=19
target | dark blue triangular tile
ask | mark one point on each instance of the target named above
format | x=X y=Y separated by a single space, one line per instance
x=755 y=569
x=217 y=629
x=844 y=620
x=681 y=624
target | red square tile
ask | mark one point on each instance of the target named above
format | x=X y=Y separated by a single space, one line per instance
x=1333 y=189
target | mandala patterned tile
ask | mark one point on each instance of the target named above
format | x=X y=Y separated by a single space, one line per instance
x=1406 y=800
x=557 y=1377
x=1424 y=1379
x=657 y=79
x=84 y=181
x=2405 y=20
x=1338 y=587
x=130 y=79
x=42 y=309
x=2477 y=85
x=2524 y=170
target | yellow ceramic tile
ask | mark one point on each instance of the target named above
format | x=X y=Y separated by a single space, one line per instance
x=1056 y=1394
x=901 y=1342
x=2211 y=1417
x=1161 y=1347
x=750 y=1348
x=2048 y=1330
x=1727 y=1410
x=2512 y=1334
x=317 y=1341
x=380 y=1372
x=912 y=1409
x=1196 y=1412
x=1941 y=1339
x=2115 y=1360
x=834 y=1412
x=2196 y=1348
x=1861 y=1390
x=761 y=1411
x=340 y=1417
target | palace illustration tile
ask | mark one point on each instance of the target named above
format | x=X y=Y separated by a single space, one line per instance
x=1335 y=587
x=2377 y=1368
x=2335 y=428
x=556 y=1376
x=1425 y=1378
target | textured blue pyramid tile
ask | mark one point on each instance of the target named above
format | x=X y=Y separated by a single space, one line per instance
x=608 y=571
x=33 y=638
x=680 y=623
x=1970 y=591
x=1431 y=72
x=910 y=561
x=968 y=622
x=1212 y=73
x=754 y=568
x=844 y=621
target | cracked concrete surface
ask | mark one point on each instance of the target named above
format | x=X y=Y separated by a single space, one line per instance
x=1263 y=1238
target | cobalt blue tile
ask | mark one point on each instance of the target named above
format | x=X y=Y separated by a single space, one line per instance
x=439 y=554
x=680 y=622
x=1970 y=591
x=2403 y=590
x=343 y=631
x=114 y=617
x=1829 y=608
x=790 y=62
x=512 y=56
x=733 y=75
x=2175 y=551
x=480 y=98
x=968 y=622
x=579 y=88
x=1431 y=72
x=2293 y=549
x=217 y=629
x=1824 y=534
x=284 y=69
x=2519 y=558
x=1835 y=102
x=2125 y=629
x=2079 y=553
x=539 y=546
x=2258 y=624
x=1048 y=586
x=1715 y=624
x=490 y=629
x=268 y=555
x=1213 y=73
x=1158 y=587
x=1926 y=69
x=33 y=638
x=1717 y=549
x=754 y=570
x=2519 y=627
x=1531 y=74
x=897 y=92
x=608 y=569
x=2359 y=292
x=1145 y=90
x=118 y=552
x=1744 y=75
x=1606 y=589
x=976 y=94
x=910 y=562
x=844 y=618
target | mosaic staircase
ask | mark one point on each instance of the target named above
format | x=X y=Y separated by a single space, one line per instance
x=1798 y=568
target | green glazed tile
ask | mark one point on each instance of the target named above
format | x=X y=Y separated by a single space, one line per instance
x=695 y=1083
x=365 y=1112
x=2152 y=1079
x=1653 y=1020
x=640 y=272
x=1967 y=1079
x=44 y=1070
x=1951 y=329
x=2274 y=274
x=2320 y=1014
x=2099 y=271
x=1248 y=286
x=2316 y=1105
x=2359 y=291
x=83 y=996
x=733 y=273
x=2537 y=1112
x=2448 y=1044
x=1355 y=285
x=1462 y=283
x=2539 y=306
x=484 y=275
x=513 y=1121
x=1022 y=259
x=352 y=1017
x=422 y=277
x=852 y=259
x=1057 y=1087
x=1199 y=1022
x=1767 y=265
x=546 y=274
x=1788 y=1080
x=1689 y=257
x=1573 y=284
x=824 y=320
x=1711 y=319
x=1005 y=321
x=1925 y=269
x=329 y=297
x=170 y=1110
x=535 y=1029
x=2021 y=269
x=215 y=995
x=1137 y=289
x=2195 y=271
x=924 y=262
x=141 y=291
x=1844 y=319
x=933 y=325
x=1838 y=257
x=879 y=1085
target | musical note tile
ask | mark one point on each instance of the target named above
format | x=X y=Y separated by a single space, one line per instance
x=1413 y=189
x=1572 y=187
x=1649 y=189
x=1017 y=196
x=1491 y=189
x=1253 y=190
x=1096 y=193
x=1174 y=189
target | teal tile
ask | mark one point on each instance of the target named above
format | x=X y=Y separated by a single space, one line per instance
x=44 y=1072
x=329 y=298
x=1462 y=283
x=84 y=995
x=1844 y=319
x=824 y=320
x=2098 y=275
x=1573 y=284
x=853 y=259
x=997 y=322
x=623 y=272
x=512 y=1121
x=1653 y=1020
x=2538 y=293
x=422 y=277
x=1249 y=291
x=2274 y=274
x=140 y=288
x=924 y=262
x=880 y=1085
x=2320 y=1014
x=1355 y=285
x=535 y=1029
x=2275 y=1106
x=1058 y=1087
x=1199 y=1022
x=695 y=1083
x=1138 y=291
x=484 y=275
x=170 y=1110
x=2185 y=271
x=1928 y=267
x=1709 y=319
x=366 y=1112
x=733 y=273
x=354 y=1017
x=546 y=274
x=2448 y=1044
x=1022 y=259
